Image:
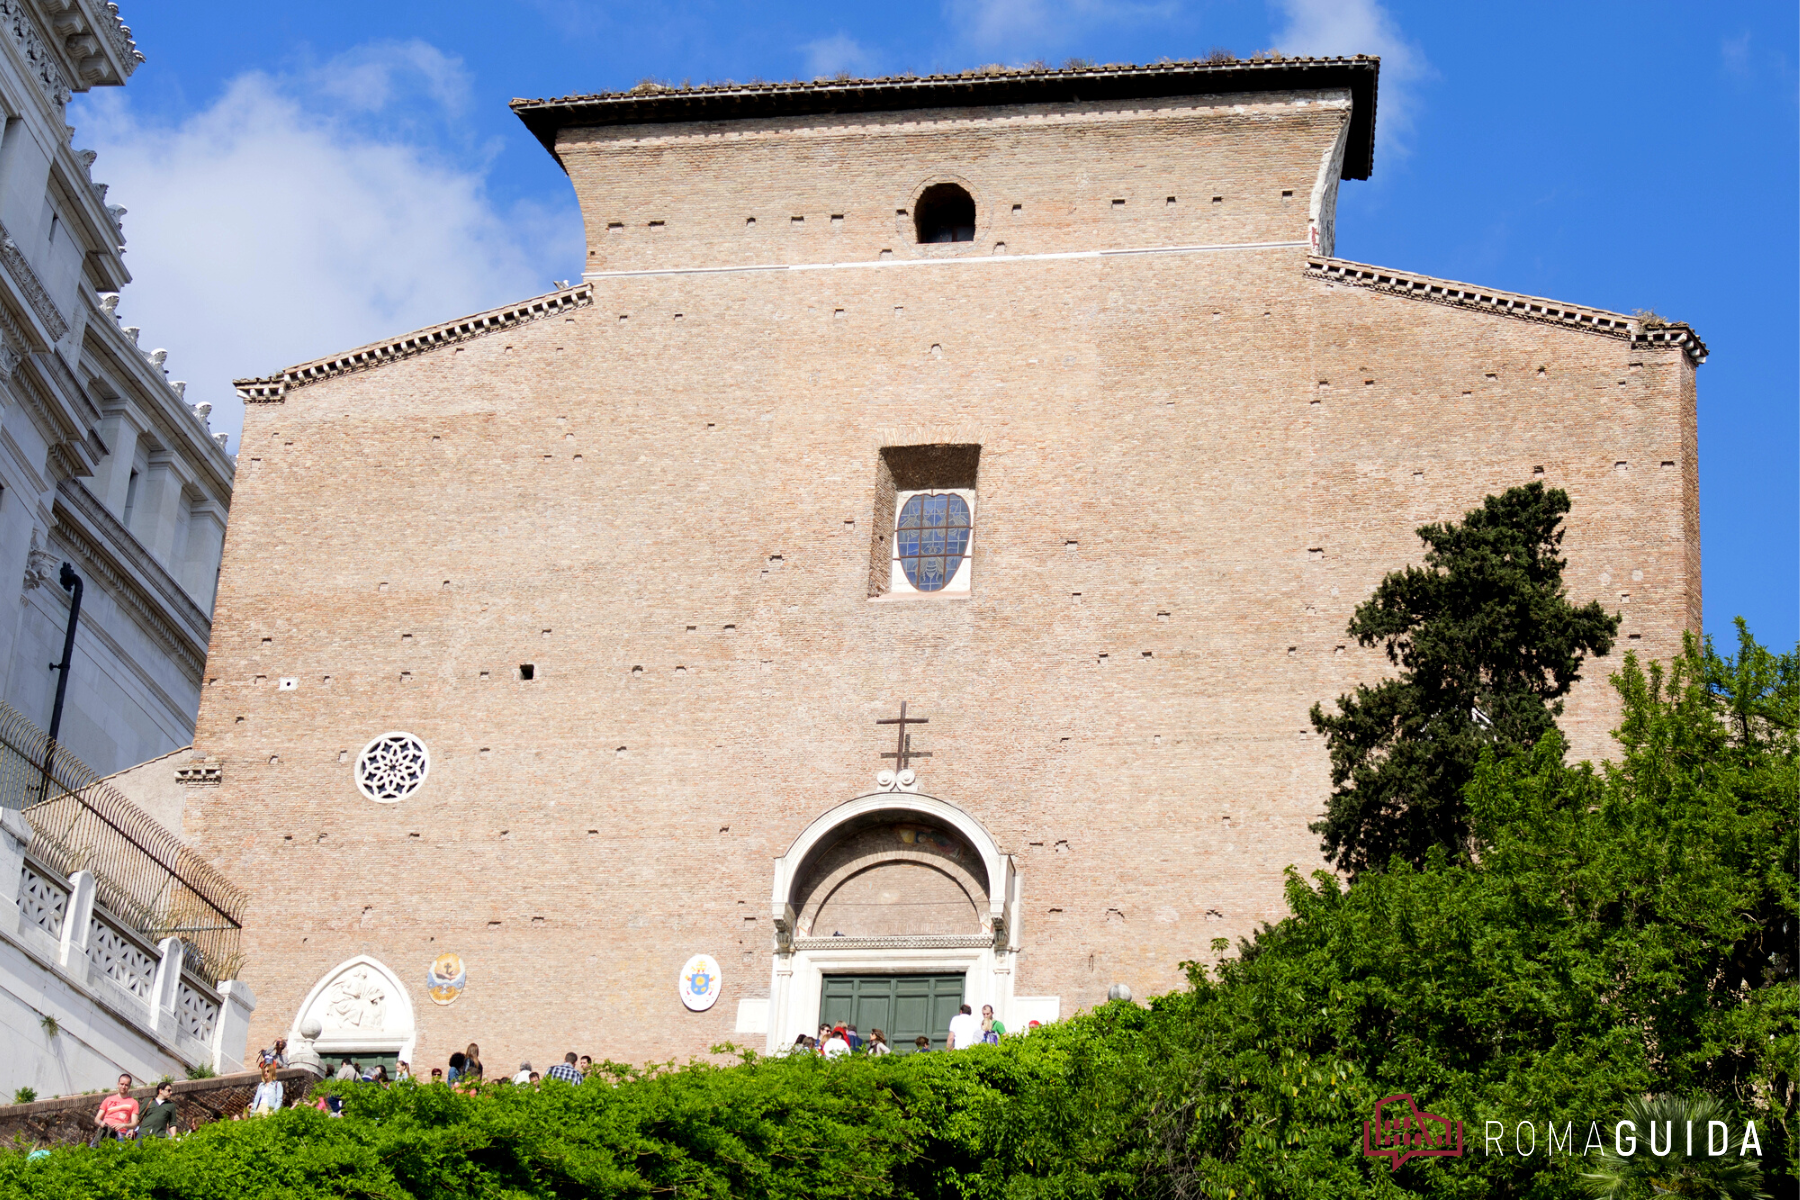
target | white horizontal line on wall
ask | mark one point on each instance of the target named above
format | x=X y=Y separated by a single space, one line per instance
x=885 y=263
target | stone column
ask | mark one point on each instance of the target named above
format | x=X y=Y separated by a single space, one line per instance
x=231 y=1032
x=779 y=1034
x=199 y=572
x=120 y=432
x=77 y=919
x=158 y=512
x=167 y=989
x=15 y=837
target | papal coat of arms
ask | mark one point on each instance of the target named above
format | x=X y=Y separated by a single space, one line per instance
x=445 y=978
x=700 y=982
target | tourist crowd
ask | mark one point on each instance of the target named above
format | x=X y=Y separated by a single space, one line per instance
x=840 y=1041
x=121 y=1117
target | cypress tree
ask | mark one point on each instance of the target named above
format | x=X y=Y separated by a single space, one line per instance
x=1487 y=645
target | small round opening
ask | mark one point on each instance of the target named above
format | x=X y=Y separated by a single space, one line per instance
x=945 y=213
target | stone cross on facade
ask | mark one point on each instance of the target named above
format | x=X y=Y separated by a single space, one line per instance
x=903 y=752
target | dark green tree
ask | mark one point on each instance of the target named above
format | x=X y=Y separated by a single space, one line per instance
x=1487 y=645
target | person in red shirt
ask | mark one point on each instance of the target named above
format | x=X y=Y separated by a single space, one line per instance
x=118 y=1114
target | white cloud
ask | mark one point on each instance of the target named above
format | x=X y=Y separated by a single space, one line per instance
x=839 y=52
x=374 y=75
x=1017 y=29
x=1343 y=27
x=270 y=228
x=1734 y=52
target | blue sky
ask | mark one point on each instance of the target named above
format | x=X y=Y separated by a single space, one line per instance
x=305 y=178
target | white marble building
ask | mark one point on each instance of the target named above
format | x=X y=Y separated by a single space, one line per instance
x=103 y=464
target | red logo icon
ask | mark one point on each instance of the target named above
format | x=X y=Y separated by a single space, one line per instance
x=1400 y=1131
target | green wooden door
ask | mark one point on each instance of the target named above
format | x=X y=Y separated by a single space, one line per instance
x=903 y=1007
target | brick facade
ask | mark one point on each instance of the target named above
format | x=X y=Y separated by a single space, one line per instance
x=658 y=489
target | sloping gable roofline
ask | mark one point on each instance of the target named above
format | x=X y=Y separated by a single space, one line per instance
x=272 y=389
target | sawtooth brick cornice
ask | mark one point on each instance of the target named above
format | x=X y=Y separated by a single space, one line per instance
x=273 y=389
x=1641 y=334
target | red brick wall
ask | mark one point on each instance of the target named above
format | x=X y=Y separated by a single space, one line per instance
x=1220 y=454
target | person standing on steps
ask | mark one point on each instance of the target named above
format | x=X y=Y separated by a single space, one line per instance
x=269 y=1093
x=159 y=1119
x=566 y=1070
x=965 y=1030
x=118 y=1114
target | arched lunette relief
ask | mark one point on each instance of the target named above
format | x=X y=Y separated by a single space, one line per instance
x=986 y=876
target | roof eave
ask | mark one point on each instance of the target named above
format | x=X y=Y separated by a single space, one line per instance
x=1359 y=75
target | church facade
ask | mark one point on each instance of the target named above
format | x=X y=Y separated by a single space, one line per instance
x=895 y=575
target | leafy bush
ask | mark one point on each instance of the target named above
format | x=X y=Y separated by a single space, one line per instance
x=24 y=1095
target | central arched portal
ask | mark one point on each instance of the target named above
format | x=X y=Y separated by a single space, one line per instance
x=890 y=911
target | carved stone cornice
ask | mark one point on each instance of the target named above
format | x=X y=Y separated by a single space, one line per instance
x=273 y=389
x=30 y=286
x=67 y=438
x=123 y=44
x=112 y=556
x=943 y=941
x=1641 y=334
x=35 y=49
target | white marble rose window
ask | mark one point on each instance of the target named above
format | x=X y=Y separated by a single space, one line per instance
x=392 y=767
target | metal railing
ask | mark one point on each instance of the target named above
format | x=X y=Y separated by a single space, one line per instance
x=143 y=874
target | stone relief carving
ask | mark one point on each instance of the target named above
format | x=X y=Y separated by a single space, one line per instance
x=356 y=1001
x=40 y=564
x=30 y=284
x=17 y=21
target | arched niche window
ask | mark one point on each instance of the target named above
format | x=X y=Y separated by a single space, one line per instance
x=945 y=212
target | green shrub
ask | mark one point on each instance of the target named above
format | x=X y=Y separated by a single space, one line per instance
x=24 y=1095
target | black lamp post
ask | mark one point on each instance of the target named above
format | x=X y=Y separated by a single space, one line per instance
x=71 y=583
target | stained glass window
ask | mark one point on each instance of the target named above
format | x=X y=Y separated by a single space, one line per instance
x=931 y=539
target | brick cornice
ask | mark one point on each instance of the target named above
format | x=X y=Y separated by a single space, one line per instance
x=1641 y=334
x=273 y=389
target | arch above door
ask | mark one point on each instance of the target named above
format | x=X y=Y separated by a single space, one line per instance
x=359 y=1006
x=991 y=867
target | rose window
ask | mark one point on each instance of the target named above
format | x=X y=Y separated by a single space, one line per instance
x=931 y=538
x=392 y=767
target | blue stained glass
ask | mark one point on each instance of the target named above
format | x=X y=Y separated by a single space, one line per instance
x=931 y=538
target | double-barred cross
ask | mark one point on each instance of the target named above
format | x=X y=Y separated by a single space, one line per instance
x=903 y=752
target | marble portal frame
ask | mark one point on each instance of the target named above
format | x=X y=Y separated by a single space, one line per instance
x=797 y=977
